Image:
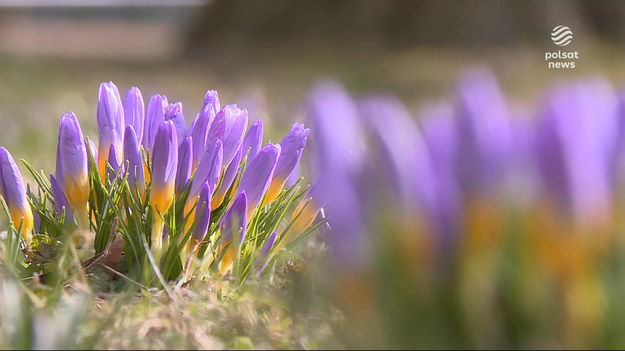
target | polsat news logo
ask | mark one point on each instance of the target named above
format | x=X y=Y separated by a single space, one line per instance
x=561 y=35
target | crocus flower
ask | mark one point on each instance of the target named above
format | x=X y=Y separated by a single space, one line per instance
x=292 y=146
x=173 y=113
x=253 y=140
x=185 y=162
x=233 y=228
x=573 y=145
x=60 y=201
x=134 y=111
x=132 y=154
x=72 y=167
x=110 y=124
x=154 y=115
x=483 y=132
x=13 y=191
x=164 y=164
x=263 y=256
x=201 y=125
x=257 y=176
x=227 y=179
x=234 y=135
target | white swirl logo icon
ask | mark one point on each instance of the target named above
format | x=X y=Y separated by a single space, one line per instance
x=562 y=35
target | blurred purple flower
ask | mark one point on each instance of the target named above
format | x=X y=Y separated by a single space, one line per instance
x=233 y=229
x=263 y=257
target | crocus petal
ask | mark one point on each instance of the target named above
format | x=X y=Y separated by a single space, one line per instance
x=164 y=165
x=114 y=163
x=110 y=123
x=174 y=113
x=14 y=193
x=60 y=201
x=258 y=173
x=185 y=160
x=202 y=213
x=235 y=221
x=134 y=111
x=208 y=170
x=292 y=146
x=227 y=179
x=253 y=140
x=132 y=154
x=201 y=125
x=234 y=134
x=221 y=126
x=154 y=116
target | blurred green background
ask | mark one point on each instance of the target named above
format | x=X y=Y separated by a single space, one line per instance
x=264 y=55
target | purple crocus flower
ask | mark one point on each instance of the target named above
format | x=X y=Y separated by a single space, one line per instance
x=73 y=167
x=164 y=164
x=60 y=201
x=339 y=152
x=573 y=147
x=174 y=113
x=132 y=154
x=233 y=229
x=483 y=131
x=201 y=125
x=258 y=174
x=234 y=135
x=292 y=147
x=134 y=111
x=185 y=162
x=110 y=124
x=263 y=256
x=208 y=170
x=14 y=193
x=227 y=179
x=202 y=214
x=154 y=116
x=253 y=140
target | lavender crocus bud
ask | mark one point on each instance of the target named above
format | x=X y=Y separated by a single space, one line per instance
x=201 y=125
x=208 y=170
x=258 y=174
x=234 y=135
x=164 y=165
x=253 y=140
x=292 y=146
x=73 y=167
x=154 y=116
x=14 y=193
x=263 y=256
x=134 y=111
x=110 y=124
x=174 y=113
x=227 y=179
x=132 y=154
x=185 y=162
x=233 y=229
x=202 y=214
x=114 y=164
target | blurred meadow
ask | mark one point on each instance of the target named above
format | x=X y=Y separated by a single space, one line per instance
x=267 y=57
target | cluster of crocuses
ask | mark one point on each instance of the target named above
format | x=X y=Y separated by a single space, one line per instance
x=211 y=166
x=481 y=193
